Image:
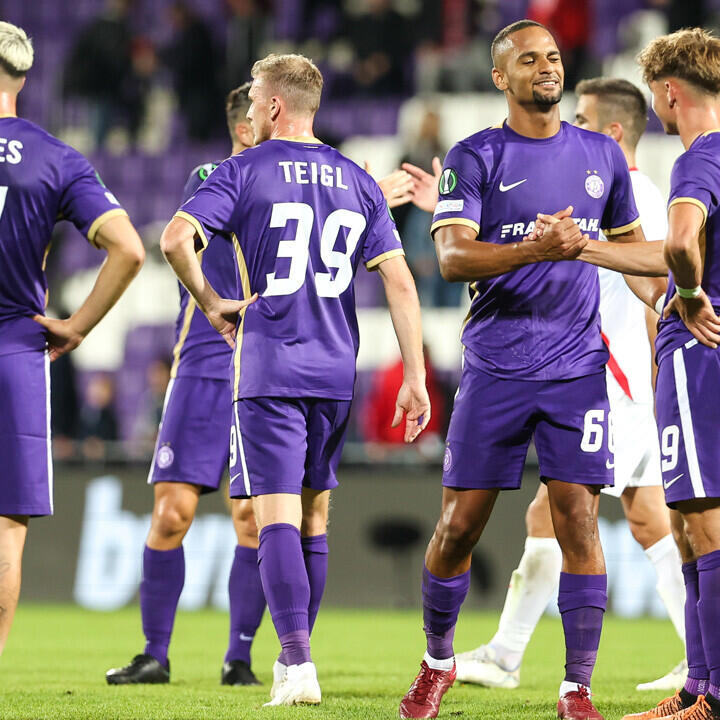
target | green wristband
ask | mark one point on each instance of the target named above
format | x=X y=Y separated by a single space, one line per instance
x=688 y=293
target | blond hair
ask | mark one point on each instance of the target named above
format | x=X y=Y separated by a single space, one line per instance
x=692 y=55
x=16 y=50
x=295 y=78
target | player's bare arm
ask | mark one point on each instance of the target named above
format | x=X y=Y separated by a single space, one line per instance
x=178 y=246
x=404 y=306
x=628 y=253
x=463 y=258
x=125 y=256
x=682 y=253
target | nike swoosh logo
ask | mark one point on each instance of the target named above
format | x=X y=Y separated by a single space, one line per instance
x=235 y=477
x=609 y=464
x=246 y=638
x=667 y=484
x=505 y=188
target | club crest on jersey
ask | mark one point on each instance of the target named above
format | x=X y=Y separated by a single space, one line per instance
x=165 y=457
x=447 y=460
x=448 y=181
x=594 y=186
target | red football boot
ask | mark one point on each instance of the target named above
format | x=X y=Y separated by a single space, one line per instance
x=424 y=696
x=576 y=705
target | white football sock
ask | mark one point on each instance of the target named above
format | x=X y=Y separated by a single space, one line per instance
x=566 y=687
x=666 y=560
x=532 y=586
x=435 y=664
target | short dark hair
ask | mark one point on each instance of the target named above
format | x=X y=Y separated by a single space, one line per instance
x=618 y=101
x=509 y=30
x=237 y=104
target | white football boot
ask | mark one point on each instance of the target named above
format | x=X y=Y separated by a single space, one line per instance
x=279 y=671
x=300 y=687
x=480 y=667
x=672 y=681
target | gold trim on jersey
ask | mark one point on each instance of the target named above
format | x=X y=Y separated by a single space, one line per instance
x=245 y=281
x=44 y=262
x=474 y=290
x=100 y=221
x=195 y=223
x=185 y=329
x=300 y=139
x=455 y=221
x=373 y=263
x=710 y=132
x=691 y=201
x=9 y=115
x=622 y=229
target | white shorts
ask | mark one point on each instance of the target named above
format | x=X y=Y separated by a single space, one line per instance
x=637 y=449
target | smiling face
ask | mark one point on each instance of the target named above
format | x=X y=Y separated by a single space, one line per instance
x=529 y=69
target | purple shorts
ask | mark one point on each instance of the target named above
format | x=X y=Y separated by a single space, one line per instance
x=688 y=419
x=25 y=457
x=494 y=419
x=281 y=445
x=193 y=445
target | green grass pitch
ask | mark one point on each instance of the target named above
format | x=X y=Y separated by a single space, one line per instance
x=53 y=667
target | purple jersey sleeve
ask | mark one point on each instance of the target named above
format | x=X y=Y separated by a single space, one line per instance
x=85 y=200
x=693 y=180
x=620 y=214
x=460 y=190
x=382 y=240
x=215 y=204
x=197 y=177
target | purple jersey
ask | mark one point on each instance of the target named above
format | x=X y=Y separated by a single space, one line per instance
x=42 y=180
x=200 y=350
x=540 y=322
x=302 y=217
x=696 y=179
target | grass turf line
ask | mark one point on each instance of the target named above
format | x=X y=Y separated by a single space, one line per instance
x=53 y=667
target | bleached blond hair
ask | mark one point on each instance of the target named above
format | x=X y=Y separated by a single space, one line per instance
x=16 y=50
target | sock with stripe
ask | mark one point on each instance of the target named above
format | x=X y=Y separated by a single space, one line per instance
x=247 y=603
x=287 y=589
x=582 y=600
x=163 y=577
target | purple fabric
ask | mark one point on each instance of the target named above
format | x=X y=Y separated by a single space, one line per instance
x=708 y=569
x=540 y=322
x=300 y=339
x=696 y=369
x=697 y=667
x=286 y=587
x=162 y=582
x=247 y=603
x=315 y=552
x=581 y=600
x=442 y=598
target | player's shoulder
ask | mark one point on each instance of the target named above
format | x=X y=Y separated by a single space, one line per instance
x=590 y=137
x=487 y=138
x=643 y=186
x=202 y=172
x=706 y=148
x=26 y=128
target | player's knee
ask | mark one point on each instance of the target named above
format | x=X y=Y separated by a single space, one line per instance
x=456 y=536
x=244 y=519
x=171 y=518
x=577 y=530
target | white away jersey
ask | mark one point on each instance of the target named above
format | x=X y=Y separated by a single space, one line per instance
x=623 y=314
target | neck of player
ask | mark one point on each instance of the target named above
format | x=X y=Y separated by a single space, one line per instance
x=696 y=119
x=295 y=128
x=8 y=103
x=533 y=121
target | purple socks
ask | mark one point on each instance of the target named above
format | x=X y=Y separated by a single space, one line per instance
x=442 y=598
x=582 y=600
x=696 y=683
x=162 y=582
x=315 y=553
x=708 y=611
x=287 y=589
x=247 y=603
